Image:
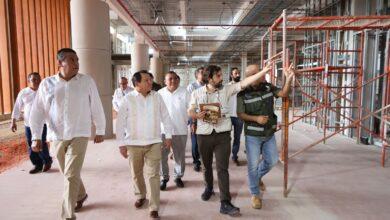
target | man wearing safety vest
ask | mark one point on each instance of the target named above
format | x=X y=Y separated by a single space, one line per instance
x=255 y=106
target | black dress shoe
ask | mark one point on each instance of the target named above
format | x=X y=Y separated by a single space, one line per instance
x=79 y=204
x=37 y=169
x=197 y=167
x=47 y=167
x=207 y=194
x=179 y=183
x=163 y=184
x=229 y=209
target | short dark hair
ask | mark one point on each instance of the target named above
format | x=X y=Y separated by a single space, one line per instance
x=137 y=77
x=61 y=53
x=173 y=73
x=211 y=70
x=231 y=71
x=123 y=77
x=33 y=74
x=198 y=69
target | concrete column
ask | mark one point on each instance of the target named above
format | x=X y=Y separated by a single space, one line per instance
x=244 y=64
x=139 y=57
x=156 y=68
x=91 y=40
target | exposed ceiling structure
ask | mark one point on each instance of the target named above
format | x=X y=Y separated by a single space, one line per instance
x=204 y=31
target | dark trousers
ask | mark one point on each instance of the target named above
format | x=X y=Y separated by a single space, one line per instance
x=195 y=151
x=218 y=144
x=42 y=157
x=237 y=129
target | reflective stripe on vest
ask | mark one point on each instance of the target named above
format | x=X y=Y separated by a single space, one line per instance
x=255 y=128
x=258 y=98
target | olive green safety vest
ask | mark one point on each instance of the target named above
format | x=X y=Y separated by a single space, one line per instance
x=259 y=102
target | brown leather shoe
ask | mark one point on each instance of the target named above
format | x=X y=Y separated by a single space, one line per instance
x=79 y=203
x=154 y=214
x=139 y=203
x=262 y=185
x=46 y=167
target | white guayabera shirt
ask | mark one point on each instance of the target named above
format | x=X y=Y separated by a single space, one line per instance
x=139 y=120
x=68 y=107
x=23 y=104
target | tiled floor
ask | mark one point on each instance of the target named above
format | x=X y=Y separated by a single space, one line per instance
x=339 y=180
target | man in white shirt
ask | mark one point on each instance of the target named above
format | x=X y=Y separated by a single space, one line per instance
x=69 y=102
x=213 y=131
x=41 y=160
x=120 y=92
x=176 y=99
x=139 y=135
x=200 y=81
x=236 y=122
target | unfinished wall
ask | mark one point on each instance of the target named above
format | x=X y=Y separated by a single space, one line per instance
x=37 y=29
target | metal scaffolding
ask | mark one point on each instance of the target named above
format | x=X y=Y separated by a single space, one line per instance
x=330 y=77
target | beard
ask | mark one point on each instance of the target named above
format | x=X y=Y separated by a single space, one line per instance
x=218 y=85
x=237 y=79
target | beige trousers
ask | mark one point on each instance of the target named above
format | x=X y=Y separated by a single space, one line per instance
x=70 y=155
x=150 y=157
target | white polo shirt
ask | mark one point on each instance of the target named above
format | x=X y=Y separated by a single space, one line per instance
x=177 y=103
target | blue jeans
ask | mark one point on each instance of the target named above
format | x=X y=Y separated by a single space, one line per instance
x=237 y=129
x=258 y=167
x=42 y=157
x=195 y=151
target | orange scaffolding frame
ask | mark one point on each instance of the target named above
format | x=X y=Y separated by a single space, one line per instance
x=320 y=95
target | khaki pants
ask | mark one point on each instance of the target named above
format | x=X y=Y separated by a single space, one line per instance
x=150 y=157
x=70 y=155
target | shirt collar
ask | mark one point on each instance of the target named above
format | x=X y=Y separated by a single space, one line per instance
x=76 y=77
x=136 y=93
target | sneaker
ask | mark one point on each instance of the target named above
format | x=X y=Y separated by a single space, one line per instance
x=37 y=169
x=179 y=183
x=262 y=185
x=163 y=184
x=207 y=194
x=256 y=202
x=229 y=209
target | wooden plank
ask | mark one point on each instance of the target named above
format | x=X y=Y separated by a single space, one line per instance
x=17 y=42
x=54 y=28
x=38 y=19
x=33 y=34
x=62 y=16
x=27 y=40
x=5 y=73
x=1 y=92
x=67 y=22
x=45 y=40
x=58 y=24
x=52 y=36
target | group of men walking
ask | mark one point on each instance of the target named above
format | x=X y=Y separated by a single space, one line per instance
x=152 y=124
